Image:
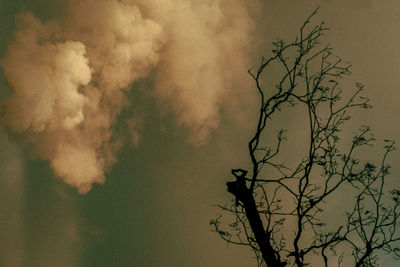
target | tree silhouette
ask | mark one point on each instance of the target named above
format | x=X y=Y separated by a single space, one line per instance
x=281 y=210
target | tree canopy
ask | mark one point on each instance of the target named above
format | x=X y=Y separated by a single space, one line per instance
x=281 y=209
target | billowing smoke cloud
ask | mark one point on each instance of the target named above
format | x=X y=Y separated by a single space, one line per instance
x=70 y=76
x=207 y=41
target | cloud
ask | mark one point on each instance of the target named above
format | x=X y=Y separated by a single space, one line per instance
x=46 y=78
x=207 y=40
x=70 y=76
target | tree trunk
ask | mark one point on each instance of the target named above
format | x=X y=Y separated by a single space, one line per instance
x=239 y=189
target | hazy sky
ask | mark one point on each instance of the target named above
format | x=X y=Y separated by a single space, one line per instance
x=120 y=120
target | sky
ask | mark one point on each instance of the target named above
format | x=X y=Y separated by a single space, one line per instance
x=120 y=120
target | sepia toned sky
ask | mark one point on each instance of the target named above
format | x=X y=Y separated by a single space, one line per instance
x=121 y=119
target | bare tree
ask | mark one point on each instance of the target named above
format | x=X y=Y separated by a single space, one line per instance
x=278 y=208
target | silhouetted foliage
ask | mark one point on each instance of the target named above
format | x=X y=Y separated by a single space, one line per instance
x=278 y=208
